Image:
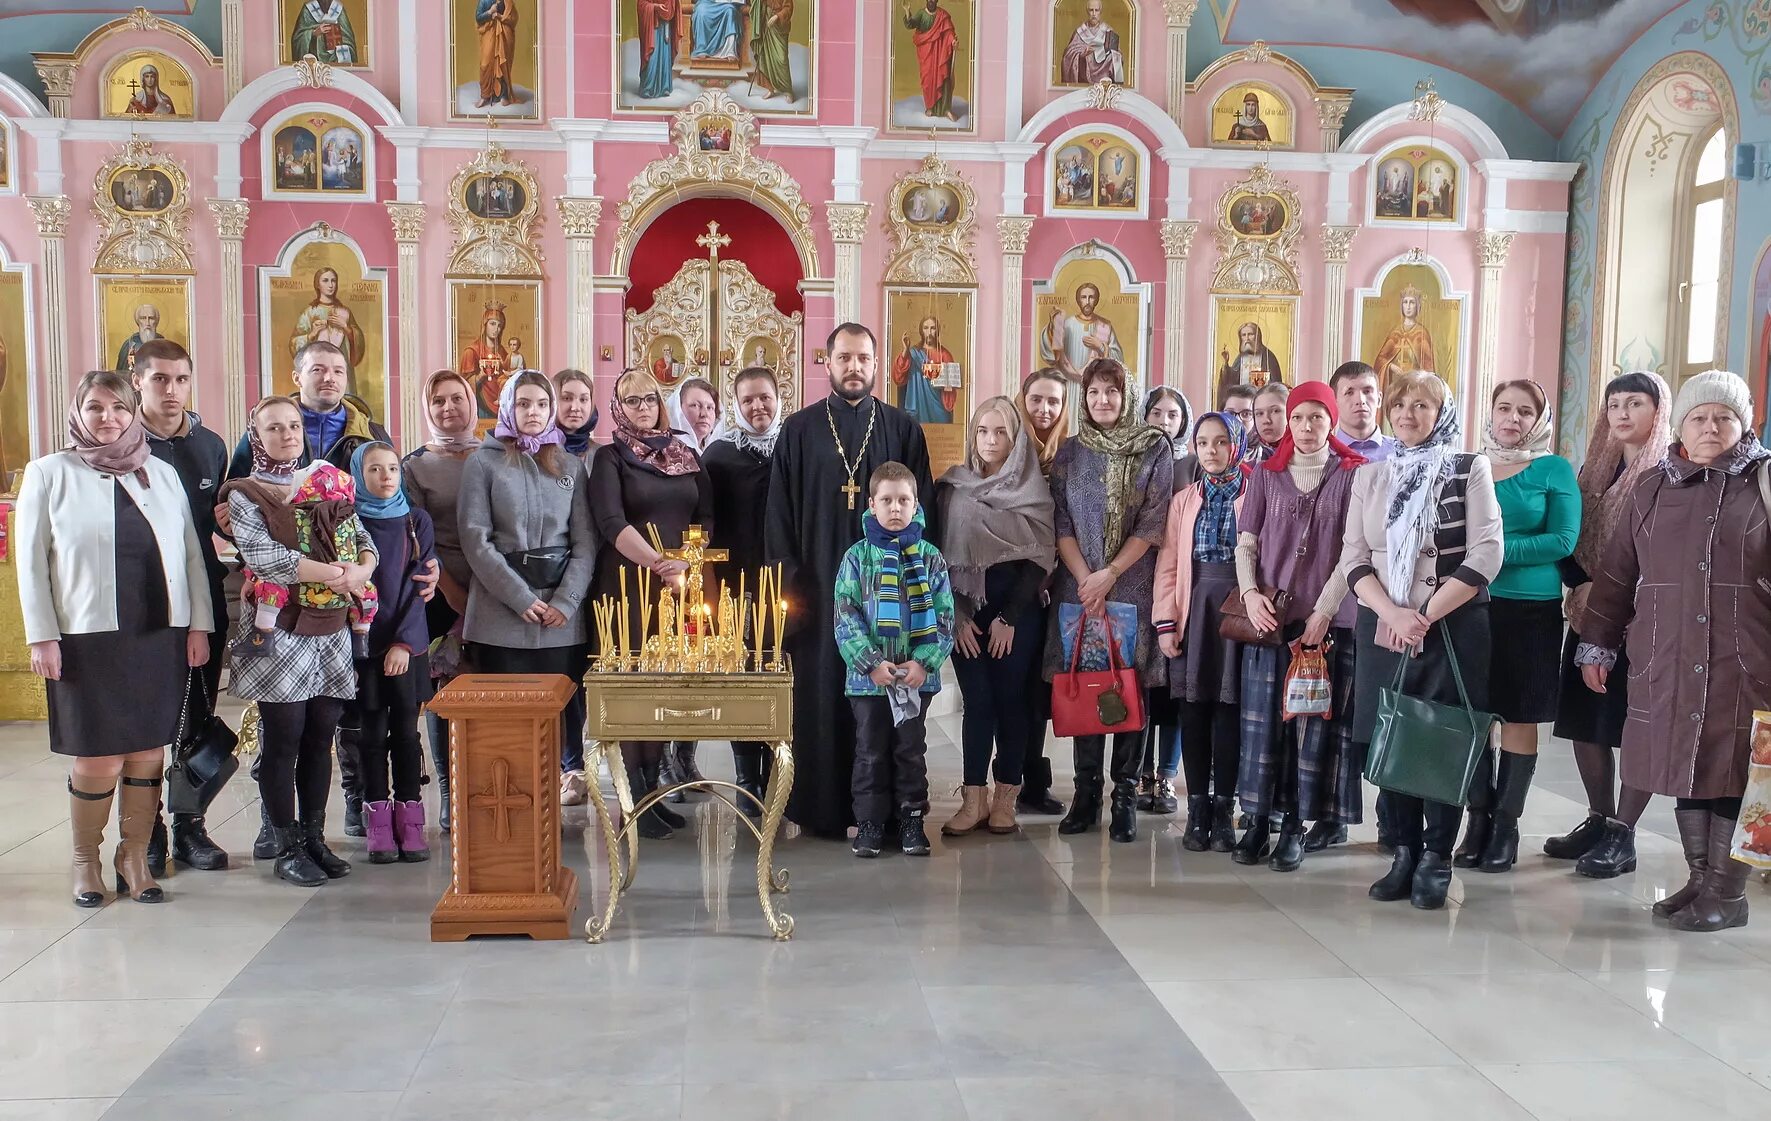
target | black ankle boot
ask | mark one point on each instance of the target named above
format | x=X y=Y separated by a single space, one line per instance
x=1579 y=841
x=1085 y=809
x=1398 y=882
x=313 y=835
x=1253 y=847
x=1614 y=855
x=748 y=772
x=294 y=863
x=192 y=847
x=1223 y=836
x=1323 y=834
x=1197 y=838
x=1288 y=851
x=265 y=846
x=350 y=781
x=1502 y=850
x=157 y=849
x=1432 y=880
x=1036 y=790
x=1123 y=827
x=1476 y=835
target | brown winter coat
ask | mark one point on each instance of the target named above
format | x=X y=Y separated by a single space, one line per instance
x=1688 y=575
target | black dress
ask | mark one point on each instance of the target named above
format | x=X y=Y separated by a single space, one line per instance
x=121 y=691
x=740 y=480
x=623 y=493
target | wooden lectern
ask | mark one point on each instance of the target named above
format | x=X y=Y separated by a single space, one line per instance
x=505 y=875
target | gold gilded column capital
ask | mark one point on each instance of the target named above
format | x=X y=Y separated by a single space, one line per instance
x=52 y=212
x=847 y=221
x=1012 y=231
x=408 y=220
x=579 y=217
x=230 y=217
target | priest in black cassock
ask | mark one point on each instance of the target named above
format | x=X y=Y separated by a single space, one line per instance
x=817 y=494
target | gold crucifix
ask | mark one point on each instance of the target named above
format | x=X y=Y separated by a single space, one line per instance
x=694 y=553
x=713 y=241
x=500 y=799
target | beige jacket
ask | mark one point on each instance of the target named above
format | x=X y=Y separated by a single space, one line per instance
x=1468 y=544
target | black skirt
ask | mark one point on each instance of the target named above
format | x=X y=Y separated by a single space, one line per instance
x=1588 y=717
x=120 y=691
x=1429 y=675
x=1209 y=668
x=1524 y=669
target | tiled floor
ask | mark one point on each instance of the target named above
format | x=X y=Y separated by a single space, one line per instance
x=1006 y=979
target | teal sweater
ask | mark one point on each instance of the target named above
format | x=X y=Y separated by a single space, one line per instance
x=857 y=607
x=1540 y=513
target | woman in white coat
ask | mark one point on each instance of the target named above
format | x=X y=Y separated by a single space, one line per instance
x=116 y=609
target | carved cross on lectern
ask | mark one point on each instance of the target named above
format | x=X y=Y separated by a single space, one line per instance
x=500 y=799
x=713 y=241
x=695 y=553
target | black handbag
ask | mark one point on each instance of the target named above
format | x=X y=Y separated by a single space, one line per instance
x=203 y=758
x=1424 y=748
x=541 y=569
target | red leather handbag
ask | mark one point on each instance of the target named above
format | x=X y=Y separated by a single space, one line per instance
x=1097 y=702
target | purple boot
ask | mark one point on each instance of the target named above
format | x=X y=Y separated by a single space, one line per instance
x=409 y=826
x=378 y=824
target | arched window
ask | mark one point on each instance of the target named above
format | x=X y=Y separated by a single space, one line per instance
x=1701 y=228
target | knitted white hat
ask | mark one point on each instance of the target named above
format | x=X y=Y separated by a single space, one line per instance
x=1714 y=387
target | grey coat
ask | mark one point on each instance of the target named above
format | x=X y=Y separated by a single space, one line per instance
x=506 y=507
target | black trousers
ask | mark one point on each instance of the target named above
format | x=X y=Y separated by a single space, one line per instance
x=295 y=757
x=891 y=762
x=996 y=709
x=569 y=660
x=1211 y=738
x=1128 y=750
x=1423 y=825
x=385 y=714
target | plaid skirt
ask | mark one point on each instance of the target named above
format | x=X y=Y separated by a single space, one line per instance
x=1328 y=766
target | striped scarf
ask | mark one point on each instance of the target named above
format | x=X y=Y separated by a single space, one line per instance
x=903 y=579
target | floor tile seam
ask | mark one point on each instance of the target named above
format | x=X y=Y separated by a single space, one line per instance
x=1668 y=1027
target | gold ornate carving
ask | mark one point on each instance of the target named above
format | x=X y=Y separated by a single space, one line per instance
x=1257 y=51
x=1012 y=231
x=847 y=220
x=1337 y=243
x=1258 y=260
x=312 y=73
x=579 y=217
x=747 y=313
x=929 y=246
x=726 y=167
x=1177 y=237
x=1104 y=95
x=1415 y=256
x=1493 y=246
x=682 y=309
x=142 y=20
x=230 y=217
x=408 y=220
x=52 y=213
x=487 y=245
x=142 y=233
x=1427 y=102
x=1180 y=12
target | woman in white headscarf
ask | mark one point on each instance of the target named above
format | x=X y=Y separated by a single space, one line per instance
x=694 y=414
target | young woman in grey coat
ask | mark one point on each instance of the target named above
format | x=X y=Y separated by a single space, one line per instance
x=527 y=536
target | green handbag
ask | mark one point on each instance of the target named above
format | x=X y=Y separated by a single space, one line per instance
x=1424 y=748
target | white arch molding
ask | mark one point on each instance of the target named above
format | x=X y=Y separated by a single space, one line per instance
x=1124 y=136
x=261 y=90
x=1172 y=147
x=1471 y=127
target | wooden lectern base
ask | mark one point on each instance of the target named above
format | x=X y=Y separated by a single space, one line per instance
x=504 y=802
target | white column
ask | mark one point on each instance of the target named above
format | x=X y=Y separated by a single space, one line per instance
x=1331 y=115
x=1337 y=246
x=1012 y=231
x=230 y=226
x=233 y=47
x=1177 y=242
x=1492 y=248
x=58 y=85
x=52 y=213
x=848 y=225
x=408 y=221
x=1180 y=18
x=579 y=218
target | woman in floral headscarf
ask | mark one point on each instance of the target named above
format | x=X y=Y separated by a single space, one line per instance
x=645 y=476
x=1111 y=486
x=1423 y=541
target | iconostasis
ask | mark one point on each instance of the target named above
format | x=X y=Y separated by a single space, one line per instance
x=696 y=186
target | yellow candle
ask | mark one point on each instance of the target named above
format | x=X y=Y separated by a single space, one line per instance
x=621 y=632
x=780 y=626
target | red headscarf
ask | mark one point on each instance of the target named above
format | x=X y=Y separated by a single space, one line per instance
x=1316 y=392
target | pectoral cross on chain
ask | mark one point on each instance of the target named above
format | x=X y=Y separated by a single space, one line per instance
x=851 y=489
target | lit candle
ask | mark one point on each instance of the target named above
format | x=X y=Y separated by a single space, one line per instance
x=780 y=627
x=682 y=615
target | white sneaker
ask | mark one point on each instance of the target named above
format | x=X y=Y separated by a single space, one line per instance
x=573 y=788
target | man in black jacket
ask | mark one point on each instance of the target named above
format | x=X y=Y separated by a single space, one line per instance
x=162 y=374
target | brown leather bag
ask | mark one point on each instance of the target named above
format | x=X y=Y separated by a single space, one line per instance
x=1234 y=624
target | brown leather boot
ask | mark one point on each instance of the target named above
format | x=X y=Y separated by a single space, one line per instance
x=88 y=809
x=1694 y=838
x=974 y=807
x=1002 y=808
x=1721 y=904
x=138 y=806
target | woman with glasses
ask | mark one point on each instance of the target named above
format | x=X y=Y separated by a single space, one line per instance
x=645 y=477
